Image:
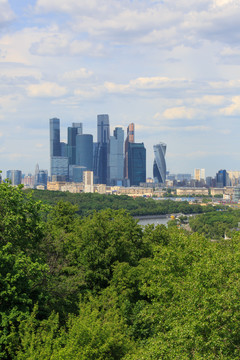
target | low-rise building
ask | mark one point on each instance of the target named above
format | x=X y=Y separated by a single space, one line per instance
x=55 y=185
x=216 y=191
x=73 y=187
x=191 y=191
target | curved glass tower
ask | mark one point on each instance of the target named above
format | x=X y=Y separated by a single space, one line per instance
x=159 y=164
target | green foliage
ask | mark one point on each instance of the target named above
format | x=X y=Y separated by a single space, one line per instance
x=87 y=203
x=102 y=287
x=103 y=239
x=193 y=307
x=22 y=271
x=20 y=221
x=96 y=333
x=216 y=225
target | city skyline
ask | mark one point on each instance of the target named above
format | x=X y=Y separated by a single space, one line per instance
x=113 y=161
x=170 y=68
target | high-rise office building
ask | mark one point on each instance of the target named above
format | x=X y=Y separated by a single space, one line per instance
x=55 y=147
x=76 y=173
x=64 y=149
x=102 y=128
x=159 y=164
x=96 y=162
x=222 y=178
x=76 y=129
x=115 y=158
x=58 y=152
x=40 y=177
x=136 y=163
x=84 y=151
x=15 y=176
x=101 y=152
x=59 y=168
x=199 y=174
x=129 y=139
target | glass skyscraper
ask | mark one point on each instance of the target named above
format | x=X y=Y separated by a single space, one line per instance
x=136 y=163
x=102 y=128
x=59 y=168
x=159 y=164
x=101 y=152
x=15 y=176
x=84 y=151
x=76 y=129
x=115 y=158
x=58 y=162
x=55 y=147
x=129 y=139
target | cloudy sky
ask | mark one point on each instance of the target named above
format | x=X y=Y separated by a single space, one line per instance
x=171 y=67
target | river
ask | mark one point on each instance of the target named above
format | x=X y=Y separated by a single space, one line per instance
x=156 y=220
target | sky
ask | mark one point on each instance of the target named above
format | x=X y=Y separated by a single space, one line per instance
x=171 y=67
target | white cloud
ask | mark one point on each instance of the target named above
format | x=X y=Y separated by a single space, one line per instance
x=230 y=51
x=9 y=102
x=225 y=84
x=165 y=24
x=222 y=3
x=210 y=100
x=116 y=88
x=179 y=113
x=81 y=73
x=16 y=45
x=145 y=84
x=233 y=109
x=6 y=13
x=46 y=89
x=63 y=44
x=197 y=128
x=69 y=6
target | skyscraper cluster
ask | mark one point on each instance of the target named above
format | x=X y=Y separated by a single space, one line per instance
x=112 y=161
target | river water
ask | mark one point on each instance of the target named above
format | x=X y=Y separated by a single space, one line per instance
x=156 y=220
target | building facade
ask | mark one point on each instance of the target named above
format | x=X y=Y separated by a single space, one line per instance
x=15 y=176
x=159 y=164
x=59 y=168
x=101 y=152
x=73 y=131
x=199 y=174
x=55 y=147
x=115 y=158
x=129 y=139
x=222 y=178
x=84 y=151
x=136 y=163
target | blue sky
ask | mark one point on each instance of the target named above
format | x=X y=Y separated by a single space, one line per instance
x=171 y=67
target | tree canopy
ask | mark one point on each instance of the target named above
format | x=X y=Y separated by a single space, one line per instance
x=103 y=287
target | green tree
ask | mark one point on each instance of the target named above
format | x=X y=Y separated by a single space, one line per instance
x=23 y=271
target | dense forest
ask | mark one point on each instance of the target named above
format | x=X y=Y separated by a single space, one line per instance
x=88 y=202
x=216 y=225
x=103 y=287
